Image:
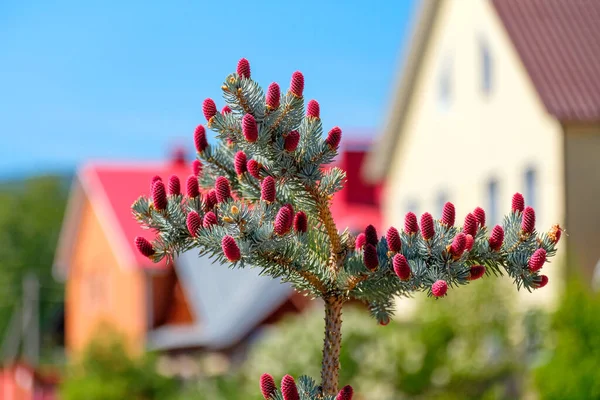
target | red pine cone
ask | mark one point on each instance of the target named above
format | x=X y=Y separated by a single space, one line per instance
x=230 y=248
x=144 y=246
x=370 y=257
x=291 y=141
x=496 y=238
x=470 y=225
x=346 y=393
x=313 y=110
x=371 y=235
x=427 y=229
x=477 y=271
x=253 y=168
x=334 y=137
x=249 y=128
x=393 y=239
x=159 y=195
x=528 y=222
x=174 y=186
x=297 y=84
x=243 y=68
x=273 y=96
x=289 y=389
x=211 y=199
x=225 y=110
x=469 y=242
x=200 y=140
x=401 y=267
x=267 y=386
x=197 y=167
x=154 y=179
x=240 y=162
x=410 y=223
x=192 y=186
x=193 y=222
x=361 y=239
x=518 y=202
x=283 y=221
x=439 y=288
x=448 y=214
x=291 y=208
x=267 y=189
x=543 y=282
x=209 y=109
x=537 y=260
x=385 y=321
x=300 y=222
x=479 y=214
x=458 y=245
x=222 y=189
x=210 y=218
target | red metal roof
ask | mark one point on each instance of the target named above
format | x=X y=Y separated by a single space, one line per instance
x=559 y=43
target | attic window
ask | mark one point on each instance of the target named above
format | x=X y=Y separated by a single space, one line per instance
x=486 y=68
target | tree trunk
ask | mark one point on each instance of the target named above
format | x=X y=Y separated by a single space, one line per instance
x=331 y=345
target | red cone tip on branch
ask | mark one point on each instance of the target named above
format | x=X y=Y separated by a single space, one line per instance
x=144 y=246
x=225 y=110
x=334 y=137
x=209 y=108
x=479 y=214
x=243 y=68
x=192 y=186
x=401 y=267
x=211 y=199
x=159 y=195
x=155 y=178
x=222 y=189
x=297 y=84
x=458 y=245
x=249 y=128
x=230 y=249
x=361 y=239
x=210 y=219
x=267 y=386
x=528 y=222
x=371 y=235
x=291 y=208
x=370 y=257
x=346 y=393
x=240 y=162
x=537 y=260
x=518 y=202
x=200 y=140
x=410 y=223
x=253 y=168
x=300 y=222
x=197 y=167
x=439 y=288
x=283 y=221
x=496 y=238
x=477 y=271
x=313 y=110
x=385 y=321
x=174 y=186
x=289 y=389
x=470 y=225
x=291 y=141
x=193 y=223
x=543 y=282
x=448 y=214
x=555 y=234
x=393 y=239
x=267 y=189
x=469 y=242
x=427 y=229
x=273 y=96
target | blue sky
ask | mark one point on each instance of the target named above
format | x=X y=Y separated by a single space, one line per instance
x=83 y=80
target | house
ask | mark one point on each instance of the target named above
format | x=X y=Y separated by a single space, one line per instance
x=497 y=97
x=188 y=305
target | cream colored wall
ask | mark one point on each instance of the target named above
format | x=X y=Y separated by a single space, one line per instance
x=477 y=137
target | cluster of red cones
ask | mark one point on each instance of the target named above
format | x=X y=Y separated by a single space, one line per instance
x=289 y=390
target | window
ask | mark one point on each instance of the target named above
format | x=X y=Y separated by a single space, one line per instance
x=530 y=187
x=492 y=189
x=445 y=84
x=486 y=68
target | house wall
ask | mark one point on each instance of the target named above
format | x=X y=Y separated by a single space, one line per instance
x=582 y=169
x=100 y=291
x=455 y=147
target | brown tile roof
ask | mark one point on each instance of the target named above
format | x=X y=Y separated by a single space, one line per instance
x=559 y=44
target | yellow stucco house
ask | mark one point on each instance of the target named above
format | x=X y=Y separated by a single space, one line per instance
x=495 y=97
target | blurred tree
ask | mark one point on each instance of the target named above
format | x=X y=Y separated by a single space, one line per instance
x=31 y=214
